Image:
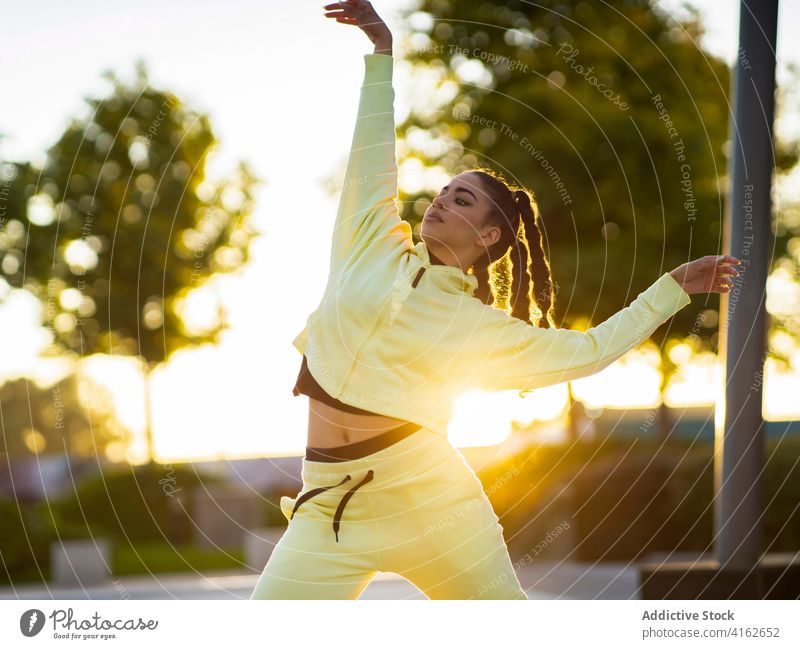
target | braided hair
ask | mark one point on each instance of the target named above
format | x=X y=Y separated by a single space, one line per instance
x=515 y=211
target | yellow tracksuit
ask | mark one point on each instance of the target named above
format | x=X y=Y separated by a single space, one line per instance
x=377 y=341
x=399 y=336
x=415 y=508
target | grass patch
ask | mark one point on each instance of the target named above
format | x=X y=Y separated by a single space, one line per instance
x=142 y=558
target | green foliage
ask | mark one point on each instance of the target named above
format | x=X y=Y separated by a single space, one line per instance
x=271 y=509
x=144 y=510
x=781 y=494
x=134 y=503
x=26 y=532
x=122 y=222
x=625 y=193
x=55 y=421
x=623 y=500
x=24 y=547
x=145 y=558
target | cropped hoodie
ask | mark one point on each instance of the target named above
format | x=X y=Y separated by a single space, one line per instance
x=402 y=337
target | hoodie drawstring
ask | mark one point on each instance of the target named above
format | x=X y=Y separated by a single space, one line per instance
x=342 y=503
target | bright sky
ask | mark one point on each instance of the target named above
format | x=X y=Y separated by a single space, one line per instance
x=280 y=83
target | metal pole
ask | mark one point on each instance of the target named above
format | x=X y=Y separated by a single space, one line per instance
x=739 y=452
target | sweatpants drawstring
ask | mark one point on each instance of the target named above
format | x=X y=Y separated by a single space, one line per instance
x=340 y=509
x=342 y=503
x=314 y=492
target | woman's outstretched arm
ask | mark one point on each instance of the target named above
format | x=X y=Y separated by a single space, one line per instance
x=368 y=212
x=506 y=353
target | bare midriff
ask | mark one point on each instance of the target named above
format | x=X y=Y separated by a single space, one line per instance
x=329 y=427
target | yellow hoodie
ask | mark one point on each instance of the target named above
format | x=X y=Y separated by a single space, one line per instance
x=401 y=337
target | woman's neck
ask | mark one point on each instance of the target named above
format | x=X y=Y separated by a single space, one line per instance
x=438 y=262
x=435 y=260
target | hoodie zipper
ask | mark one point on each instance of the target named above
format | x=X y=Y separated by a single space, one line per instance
x=380 y=320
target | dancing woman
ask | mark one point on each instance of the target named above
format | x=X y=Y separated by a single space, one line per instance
x=401 y=330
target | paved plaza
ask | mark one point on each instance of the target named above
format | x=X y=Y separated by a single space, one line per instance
x=544 y=580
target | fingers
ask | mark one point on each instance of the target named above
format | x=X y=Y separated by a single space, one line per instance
x=723 y=266
x=723 y=271
x=716 y=271
x=341 y=18
x=723 y=280
x=338 y=9
x=342 y=11
x=343 y=7
x=727 y=270
x=720 y=283
x=720 y=259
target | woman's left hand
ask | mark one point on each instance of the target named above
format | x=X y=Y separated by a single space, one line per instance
x=709 y=274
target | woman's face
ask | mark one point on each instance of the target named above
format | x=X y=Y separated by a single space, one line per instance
x=454 y=226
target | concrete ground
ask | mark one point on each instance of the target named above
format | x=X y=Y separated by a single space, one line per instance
x=542 y=580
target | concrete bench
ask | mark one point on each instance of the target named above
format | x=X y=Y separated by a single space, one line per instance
x=76 y=562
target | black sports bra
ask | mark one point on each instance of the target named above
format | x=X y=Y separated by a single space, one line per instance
x=307 y=384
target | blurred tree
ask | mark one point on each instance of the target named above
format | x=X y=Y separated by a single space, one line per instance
x=135 y=503
x=783 y=289
x=612 y=113
x=121 y=232
x=73 y=416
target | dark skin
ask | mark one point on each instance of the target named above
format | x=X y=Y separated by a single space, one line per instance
x=458 y=239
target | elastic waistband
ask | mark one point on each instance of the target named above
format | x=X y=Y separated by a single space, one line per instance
x=421 y=450
x=363 y=448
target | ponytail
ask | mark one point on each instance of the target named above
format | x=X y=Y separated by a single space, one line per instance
x=539 y=272
x=516 y=214
x=484 y=290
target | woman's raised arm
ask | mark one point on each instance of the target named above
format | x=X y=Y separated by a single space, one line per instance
x=368 y=214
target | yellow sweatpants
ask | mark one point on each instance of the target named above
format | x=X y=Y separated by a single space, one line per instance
x=415 y=508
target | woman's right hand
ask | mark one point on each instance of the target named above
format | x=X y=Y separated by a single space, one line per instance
x=361 y=14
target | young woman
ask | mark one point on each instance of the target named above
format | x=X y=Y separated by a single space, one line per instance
x=402 y=330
